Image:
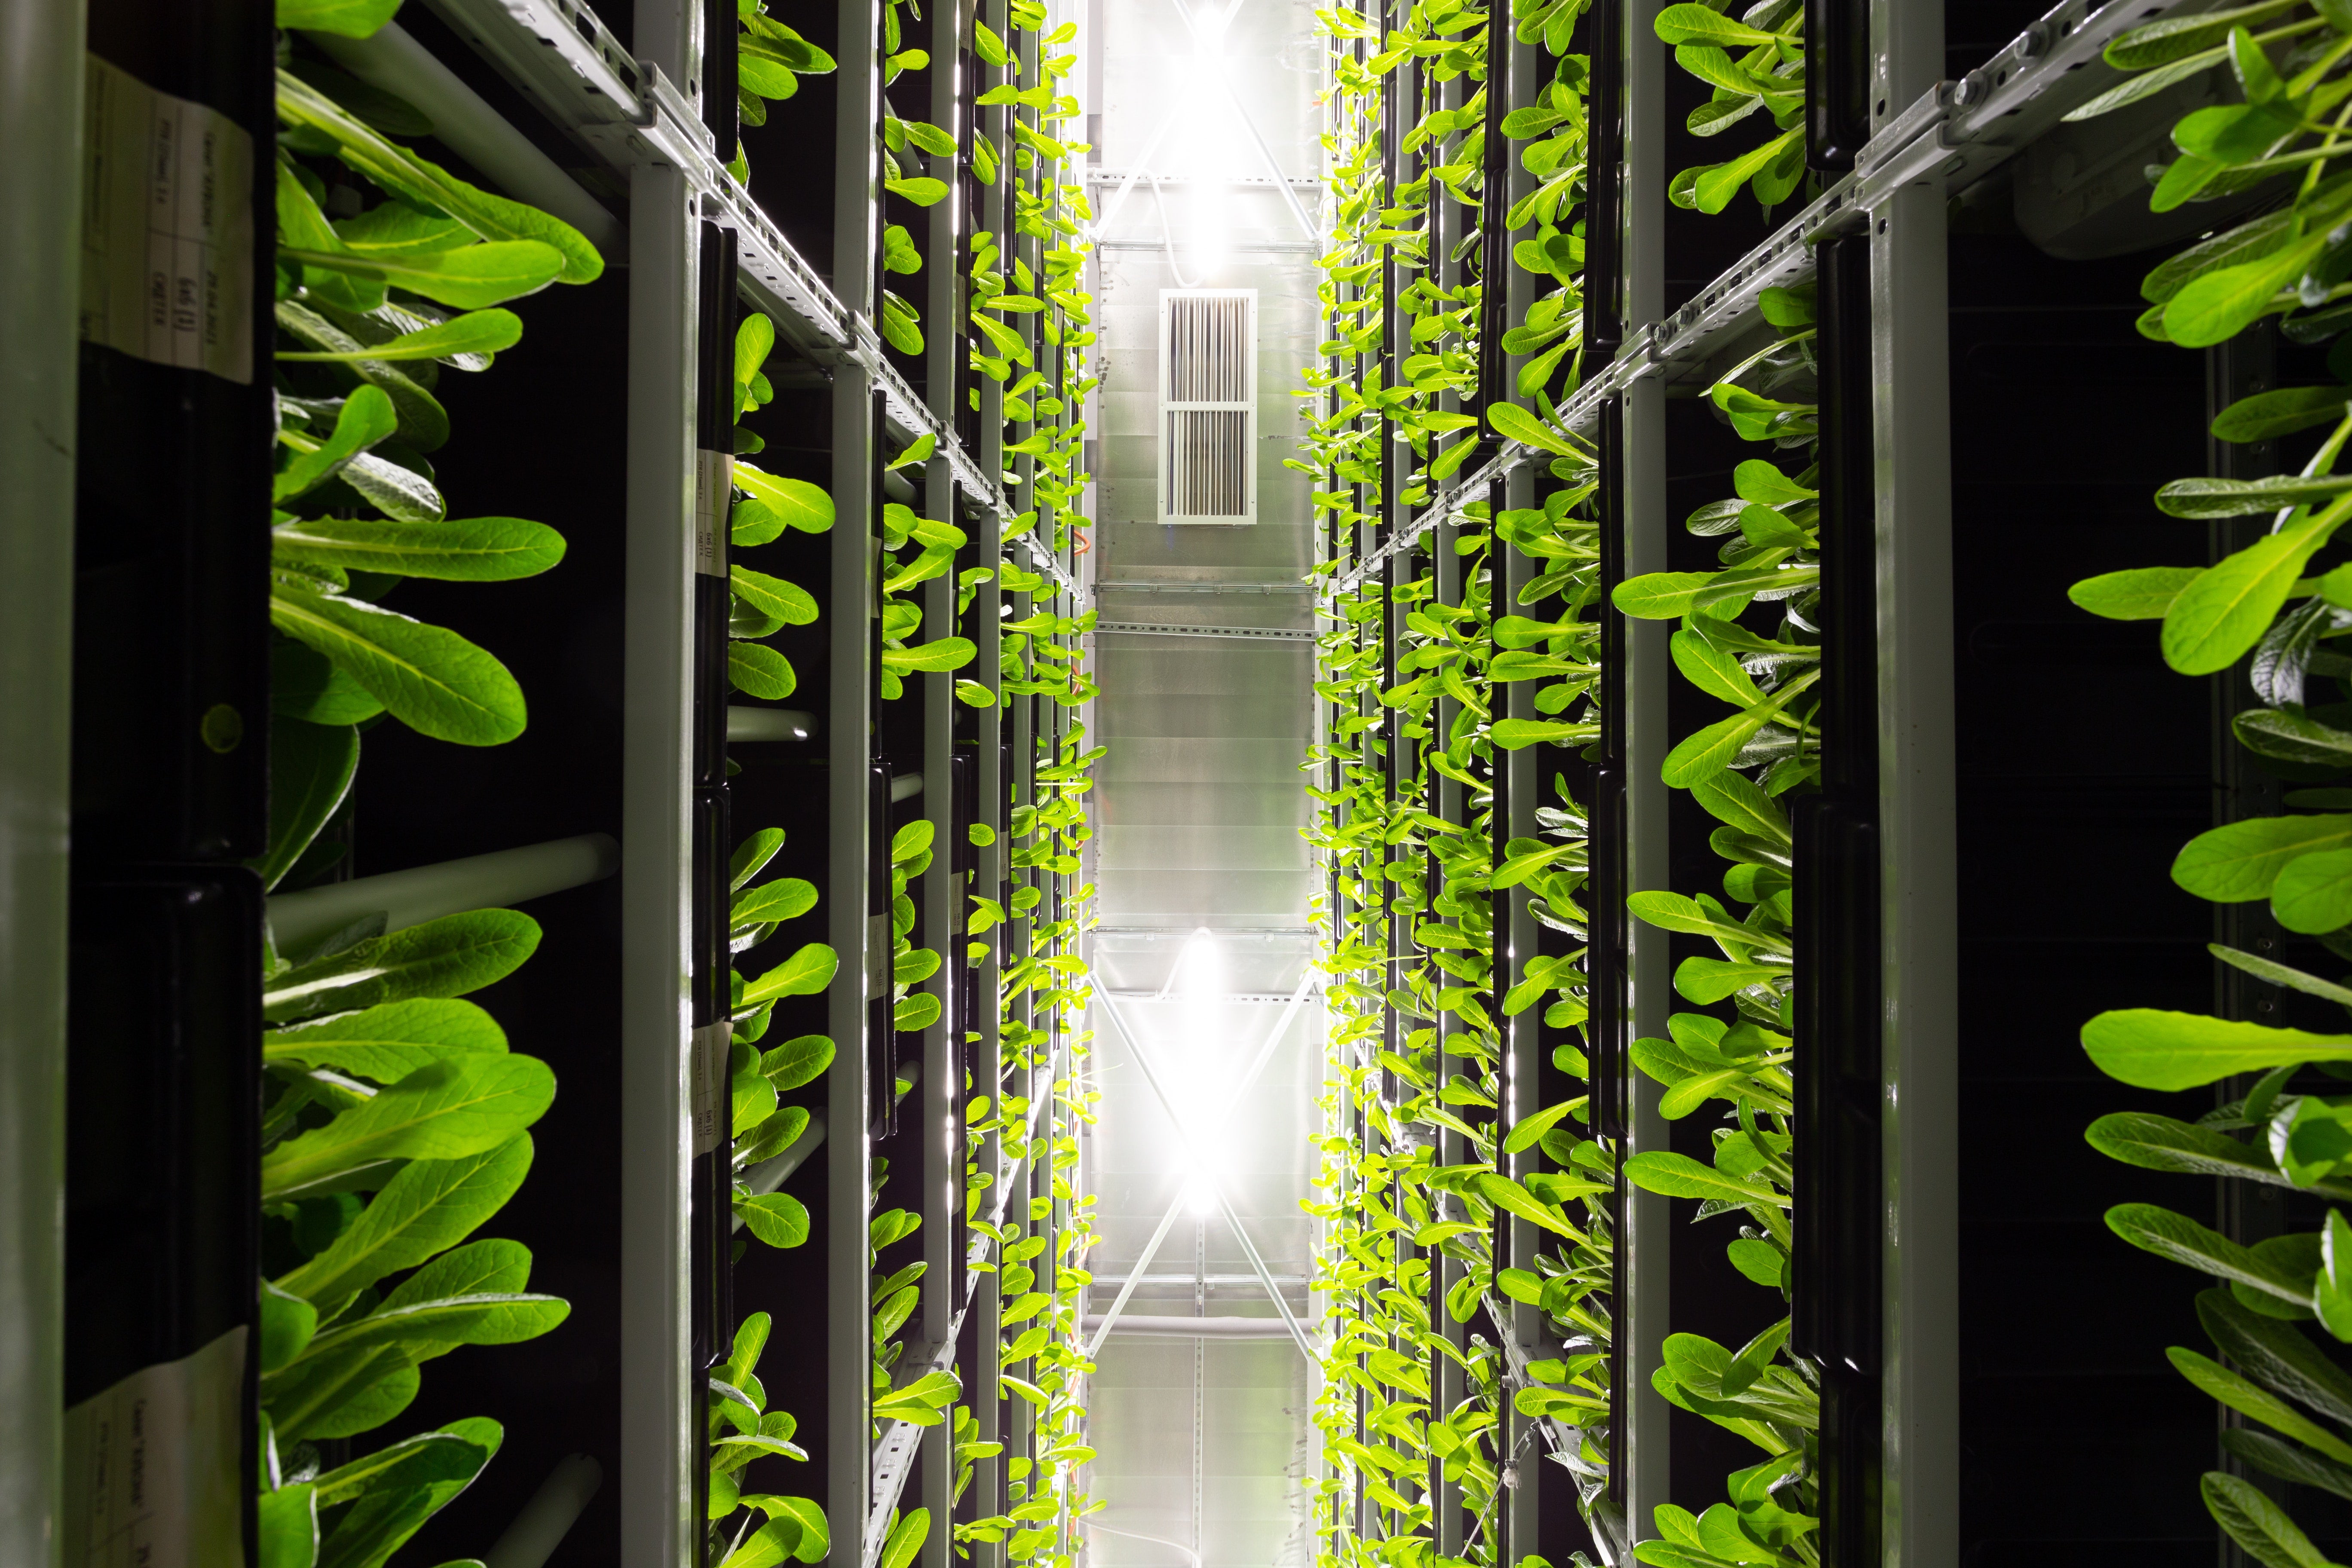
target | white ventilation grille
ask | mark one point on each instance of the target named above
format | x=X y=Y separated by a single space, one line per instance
x=1208 y=406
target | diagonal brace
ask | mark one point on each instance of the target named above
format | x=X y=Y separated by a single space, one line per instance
x=1168 y=1221
x=1224 y=1205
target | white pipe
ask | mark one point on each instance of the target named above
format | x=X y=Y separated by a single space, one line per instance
x=1190 y=1555
x=752 y=724
x=662 y=1401
x=769 y=1174
x=1163 y=1328
x=475 y=882
x=549 y=1516
x=463 y=121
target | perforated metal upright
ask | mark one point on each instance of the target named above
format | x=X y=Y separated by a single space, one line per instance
x=941 y=1084
x=1643 y=1240
x=1911 y=434
x=854 y=607
x=661 y=1399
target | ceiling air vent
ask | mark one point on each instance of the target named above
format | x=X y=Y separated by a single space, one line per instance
x=1208 y=406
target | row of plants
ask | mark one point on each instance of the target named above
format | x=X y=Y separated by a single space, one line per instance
x=1028 y=324
x=1747 y=635
x=2270 y=608
x=1026 y=327
x=1416 y=1166
x=397 y=1118
x=2268 y=600
x=376 y=283
x=1044 y=1226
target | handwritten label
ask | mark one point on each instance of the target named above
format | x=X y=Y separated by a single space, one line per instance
x=714 y=489
x=152 y=1475
x=708 y=1091
x=167 y=227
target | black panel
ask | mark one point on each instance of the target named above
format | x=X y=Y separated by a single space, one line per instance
x=2083 y=766
x=163 y=1186
x=171 y=550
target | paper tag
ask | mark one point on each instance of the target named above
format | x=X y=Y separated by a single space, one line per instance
x=152 y=1476
x=878 y=957
x=167 y=227
x=714 y=490
x=709 y=1093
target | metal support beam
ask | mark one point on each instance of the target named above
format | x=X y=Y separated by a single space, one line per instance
x=1645 y=1236
x=1134 y=1276
x=1172 y=1328
x=848 y=1350
x=661 y=1408
x=1246 y=633
x=41 y=73
x=1911 y=429
x=942 y=891
x=463 y=121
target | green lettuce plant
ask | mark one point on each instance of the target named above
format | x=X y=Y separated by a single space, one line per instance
x=1036 y=1112
x=2276 y=600
x=1390 y=1209
x=1740 y=769
x=396 y=1119
x=1756 y=63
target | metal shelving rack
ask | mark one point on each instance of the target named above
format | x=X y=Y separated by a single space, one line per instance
x=1927 y=138
x=639 y=115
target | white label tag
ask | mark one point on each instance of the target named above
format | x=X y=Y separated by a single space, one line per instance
x=708 y=1091
x=152 y=1474
x=878 y=957
x=167 y=227
x=714 y=492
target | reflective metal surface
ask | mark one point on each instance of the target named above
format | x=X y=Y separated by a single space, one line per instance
x=1203 y=1443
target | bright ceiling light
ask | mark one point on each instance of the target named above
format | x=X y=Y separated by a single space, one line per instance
x=1197 y=1067
x=1210 y=150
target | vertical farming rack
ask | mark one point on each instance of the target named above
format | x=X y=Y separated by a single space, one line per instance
x=932 y=809
x=1567 y=1009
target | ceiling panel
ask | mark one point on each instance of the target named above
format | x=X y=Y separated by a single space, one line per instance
x=1208 y=805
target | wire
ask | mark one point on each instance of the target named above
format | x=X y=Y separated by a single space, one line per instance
x=1192 y=1556
x=1167 y=240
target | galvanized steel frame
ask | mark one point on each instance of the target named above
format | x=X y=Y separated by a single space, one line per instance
x=1950 y=135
